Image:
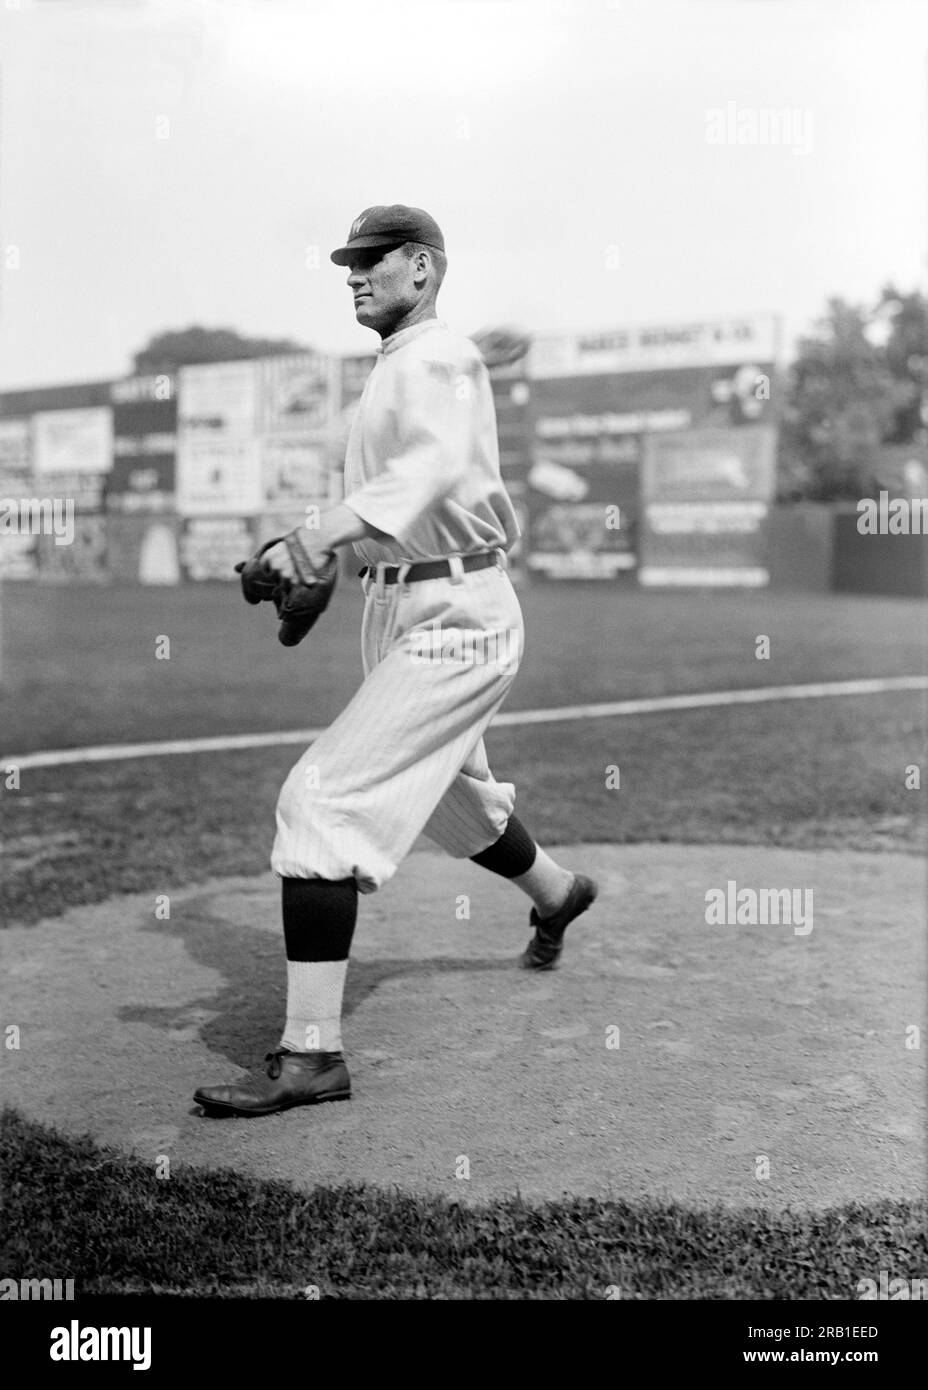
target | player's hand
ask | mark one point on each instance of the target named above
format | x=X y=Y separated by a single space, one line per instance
x=283 y=572
x=279 y=559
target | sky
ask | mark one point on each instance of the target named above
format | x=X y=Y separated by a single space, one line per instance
x=592 y=163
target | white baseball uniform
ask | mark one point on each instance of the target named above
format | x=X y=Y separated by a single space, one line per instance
x=406 y=755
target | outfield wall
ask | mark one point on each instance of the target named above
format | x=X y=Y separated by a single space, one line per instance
x=877 y=564
x=641 y=456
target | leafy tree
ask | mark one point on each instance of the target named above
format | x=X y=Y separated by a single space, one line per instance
x=182 y=347
x=907 y=358
x=853 y=389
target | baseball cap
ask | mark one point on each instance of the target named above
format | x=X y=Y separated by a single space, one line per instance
x=389 y=225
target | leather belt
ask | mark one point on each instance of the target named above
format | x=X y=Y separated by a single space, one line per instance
x=432 y=569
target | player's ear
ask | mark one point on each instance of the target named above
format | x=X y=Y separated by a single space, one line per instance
x=421 y=265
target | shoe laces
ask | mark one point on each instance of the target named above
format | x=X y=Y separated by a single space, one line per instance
x=273 y=1061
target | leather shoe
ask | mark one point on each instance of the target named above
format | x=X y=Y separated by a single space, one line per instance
x=291 y=1078
x=546 y=945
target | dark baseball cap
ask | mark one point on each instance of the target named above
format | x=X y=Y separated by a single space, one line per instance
x=392 y=225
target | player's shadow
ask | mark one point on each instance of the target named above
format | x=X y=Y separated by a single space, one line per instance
x=245 y=1018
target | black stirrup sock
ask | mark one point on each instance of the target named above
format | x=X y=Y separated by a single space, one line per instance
x=512 y=855
x=319 y=917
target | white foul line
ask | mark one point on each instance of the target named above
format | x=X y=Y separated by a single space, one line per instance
x=563 y=714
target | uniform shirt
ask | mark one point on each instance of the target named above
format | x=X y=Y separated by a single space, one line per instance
x=422 y=462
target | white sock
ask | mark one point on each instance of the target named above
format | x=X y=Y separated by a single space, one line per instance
x=314 y=1005
x=546 y=883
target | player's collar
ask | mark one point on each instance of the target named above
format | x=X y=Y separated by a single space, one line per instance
x=406 y=335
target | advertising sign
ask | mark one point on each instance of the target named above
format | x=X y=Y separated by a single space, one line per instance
x=587 y=420
x=85 y=490
x=296 y=393
x=141 y=482
x=581 y=540
x=211 y=547
x=655 y=348
x=145 y=445
x=16 y=459
x=15 y=447
x=706 y=496
x=218 y=476
x=584 y=508
x=293 y=471
x=139 y=390
x=218 y=398
x=710 y=466
x=73 y=441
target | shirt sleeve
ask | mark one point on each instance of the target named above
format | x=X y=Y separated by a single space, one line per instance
x=435 y=405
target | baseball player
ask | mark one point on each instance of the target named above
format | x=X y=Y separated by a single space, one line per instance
x=427 y=514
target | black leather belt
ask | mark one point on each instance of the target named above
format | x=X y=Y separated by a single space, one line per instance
x=433 y=569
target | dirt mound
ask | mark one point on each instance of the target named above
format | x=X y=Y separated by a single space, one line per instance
x=666 y=1057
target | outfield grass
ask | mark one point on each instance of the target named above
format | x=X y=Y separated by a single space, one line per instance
x=73 y=1209
x=79 y=661
x=823 y=774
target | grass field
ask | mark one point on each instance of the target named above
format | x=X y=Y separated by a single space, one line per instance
x=79 y=661
x=79 y=667
x=218 y=1234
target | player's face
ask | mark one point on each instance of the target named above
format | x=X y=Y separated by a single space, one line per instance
x=382 y=284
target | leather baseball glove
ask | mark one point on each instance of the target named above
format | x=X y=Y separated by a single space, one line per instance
x=299 y=603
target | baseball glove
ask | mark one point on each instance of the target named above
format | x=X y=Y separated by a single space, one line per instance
x=298 y=602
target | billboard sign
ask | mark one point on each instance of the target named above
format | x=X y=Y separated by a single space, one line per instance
x=218 y=398
x=210 y=547
x=294 y=471
x=706 y=497
x=218 y=476
x=296 y=393
x=15 y=458
x=581 y=540
x=73 y=441
x=145 y=445
x=710 y=342
x=141 y=482
x=15 y=446
x=85 y=490
x=139 y=390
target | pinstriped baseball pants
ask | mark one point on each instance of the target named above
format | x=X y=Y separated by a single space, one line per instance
x=406 y=755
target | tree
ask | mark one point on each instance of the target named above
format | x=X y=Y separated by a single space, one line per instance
x=906 y=352
x=843 y=402
x=852 y=390
x=167 y=351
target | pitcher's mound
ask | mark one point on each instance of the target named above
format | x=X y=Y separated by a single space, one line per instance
x=753 y=1063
